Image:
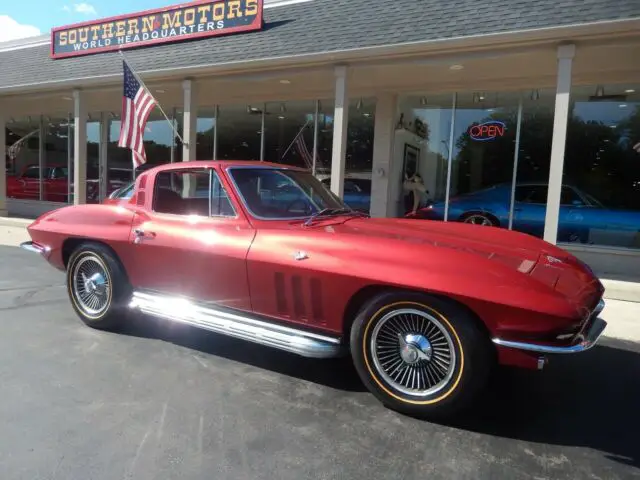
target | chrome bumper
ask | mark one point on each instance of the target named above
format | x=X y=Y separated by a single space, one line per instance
x=34 y=247
x=594 y=328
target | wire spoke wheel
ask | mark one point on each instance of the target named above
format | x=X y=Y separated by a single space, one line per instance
x=413 y=352
x=91 y=284
x=477 y=219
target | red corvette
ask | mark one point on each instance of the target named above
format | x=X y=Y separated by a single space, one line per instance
x=265 y=253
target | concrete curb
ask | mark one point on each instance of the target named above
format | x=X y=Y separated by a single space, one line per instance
x=15 y=222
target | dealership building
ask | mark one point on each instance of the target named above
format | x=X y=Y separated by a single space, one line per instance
x=521 y=114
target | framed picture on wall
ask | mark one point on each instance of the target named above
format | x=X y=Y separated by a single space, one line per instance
x=410 y=162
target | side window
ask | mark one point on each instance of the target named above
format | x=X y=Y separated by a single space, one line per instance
x=32 y=172
x=532 y=194
x=220 y=203
x=191 y=192
x=570 y=197
x=182 y=192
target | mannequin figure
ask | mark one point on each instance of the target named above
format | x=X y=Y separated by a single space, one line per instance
x=415 y=185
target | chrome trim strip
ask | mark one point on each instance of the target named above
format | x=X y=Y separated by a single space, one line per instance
x=34 y=247
x=288 y=339
x=590 y=339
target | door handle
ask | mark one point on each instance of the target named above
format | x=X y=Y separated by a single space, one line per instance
x=140 y=234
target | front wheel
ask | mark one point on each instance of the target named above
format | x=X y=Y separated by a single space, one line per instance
x=419 y=354
x=97 y=285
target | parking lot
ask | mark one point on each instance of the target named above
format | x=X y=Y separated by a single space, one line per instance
x=164 y=401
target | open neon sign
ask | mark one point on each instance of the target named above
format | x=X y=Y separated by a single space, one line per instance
x=487 y=131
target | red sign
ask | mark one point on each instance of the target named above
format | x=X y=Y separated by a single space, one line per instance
x=199 y=19
x=487 y=131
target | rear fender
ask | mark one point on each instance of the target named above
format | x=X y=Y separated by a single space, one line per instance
x=107 y=224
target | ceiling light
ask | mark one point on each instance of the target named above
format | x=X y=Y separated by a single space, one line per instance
x=456 y=66
x=630 y=90
x=281 y=117
x=285 y=82
x=623 y=105
x=67 y=98
x=159 y=90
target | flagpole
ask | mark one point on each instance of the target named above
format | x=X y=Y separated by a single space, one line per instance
x=175 y=130
x=294 y=139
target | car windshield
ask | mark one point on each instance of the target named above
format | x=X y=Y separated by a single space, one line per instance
x=273 y=193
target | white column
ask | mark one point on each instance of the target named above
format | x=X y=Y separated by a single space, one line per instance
x=3 y=168
x=383 y=139
x=561 y=117
x=103 y=163
x=79 y=148
x=340 y=122
x=190 y=116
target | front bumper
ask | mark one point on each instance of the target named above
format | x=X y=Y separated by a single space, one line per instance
x=586 y=339
x=34 y=247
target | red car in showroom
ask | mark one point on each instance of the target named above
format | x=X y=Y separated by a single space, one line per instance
x=266 y=253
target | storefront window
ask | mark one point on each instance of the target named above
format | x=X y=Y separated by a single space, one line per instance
x=55 y=161
x=489 y=183
x=359 y=153
x=205 y=133
x=239 y=131
x=288 y=133
x=421 y=152
x=600 y=202
x=158 y=143
x=324 y=150
x=23 y=158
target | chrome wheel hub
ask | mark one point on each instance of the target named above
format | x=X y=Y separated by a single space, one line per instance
x=478 y=220
x=413 y=352
x=91 y=286
x=414 y=347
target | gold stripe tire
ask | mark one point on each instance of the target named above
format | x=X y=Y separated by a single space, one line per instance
x=422 y=355
x=97 y=285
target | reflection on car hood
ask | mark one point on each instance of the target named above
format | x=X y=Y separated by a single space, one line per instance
x=518 y=250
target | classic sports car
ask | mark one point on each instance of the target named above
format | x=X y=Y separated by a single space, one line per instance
x=425 y=309
x=581 y=215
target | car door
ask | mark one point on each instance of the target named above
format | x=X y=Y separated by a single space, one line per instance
x=530 y=209
x=191 y=240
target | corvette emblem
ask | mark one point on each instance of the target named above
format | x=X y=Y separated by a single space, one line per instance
x=551 y=259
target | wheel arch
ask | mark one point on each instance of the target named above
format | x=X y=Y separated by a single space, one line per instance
x=488 y=214
x=70 y=244
x=362 y=296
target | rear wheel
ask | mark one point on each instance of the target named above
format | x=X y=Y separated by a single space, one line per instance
x=97 y=285
x=483 y=219
x=419 y=354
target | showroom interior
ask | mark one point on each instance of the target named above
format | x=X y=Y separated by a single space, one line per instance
x=498 y=125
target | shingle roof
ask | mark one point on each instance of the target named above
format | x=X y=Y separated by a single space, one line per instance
x=323 y=26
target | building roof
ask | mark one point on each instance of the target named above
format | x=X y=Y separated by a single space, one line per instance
x=320 y=26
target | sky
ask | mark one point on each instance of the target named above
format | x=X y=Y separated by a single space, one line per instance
x=26 y=18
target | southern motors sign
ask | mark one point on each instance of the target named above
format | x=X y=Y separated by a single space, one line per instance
x=487 y=131
x=182 y=22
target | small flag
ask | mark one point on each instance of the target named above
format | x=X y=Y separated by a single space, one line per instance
x=303 y=151
x=137 y=104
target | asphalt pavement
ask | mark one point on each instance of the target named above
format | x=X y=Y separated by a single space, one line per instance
x=160 y=401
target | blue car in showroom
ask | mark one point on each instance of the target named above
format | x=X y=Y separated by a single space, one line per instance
x=583 y=219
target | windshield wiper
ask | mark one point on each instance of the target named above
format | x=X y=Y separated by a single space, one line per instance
x=326 y=212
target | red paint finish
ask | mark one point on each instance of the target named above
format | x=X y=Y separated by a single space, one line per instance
x=520 y=287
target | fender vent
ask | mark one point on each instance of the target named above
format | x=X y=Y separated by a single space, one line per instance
x=316 y=300
x=281 y=296
x=143 y=182
x=298 y=297
x=140 y=199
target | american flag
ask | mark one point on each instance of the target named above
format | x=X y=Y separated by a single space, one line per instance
x=137 y=104
x=303 y=151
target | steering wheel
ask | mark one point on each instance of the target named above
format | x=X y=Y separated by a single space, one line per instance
x=305 y=206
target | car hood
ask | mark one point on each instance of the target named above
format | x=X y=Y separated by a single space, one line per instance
x=531 y=256
x=488 y=242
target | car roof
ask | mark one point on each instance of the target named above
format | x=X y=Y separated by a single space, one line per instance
x=224 y=164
